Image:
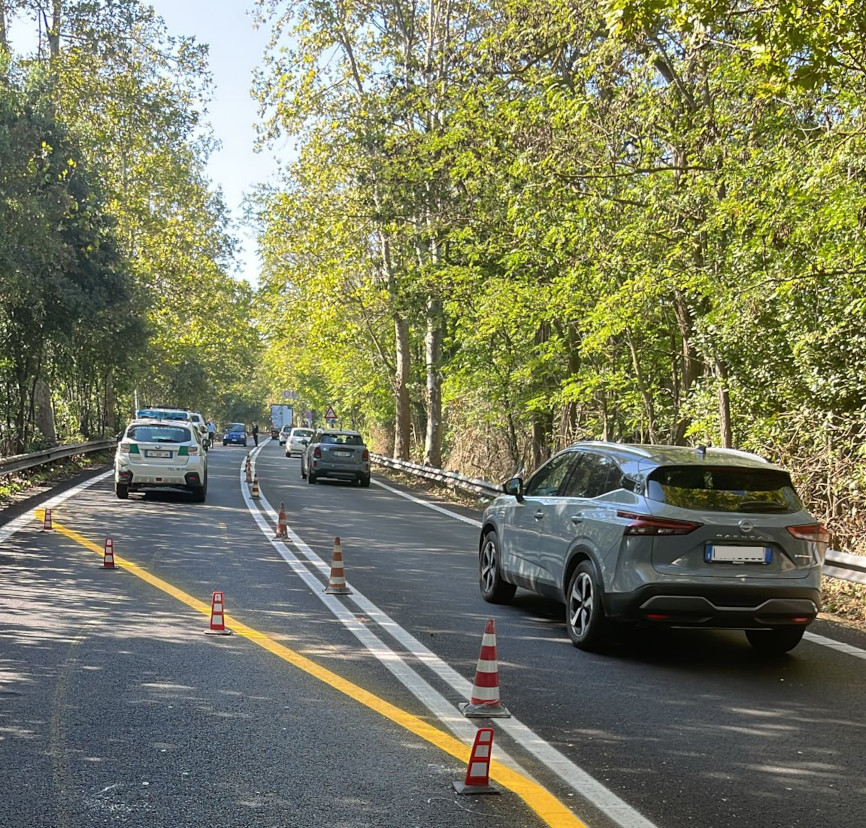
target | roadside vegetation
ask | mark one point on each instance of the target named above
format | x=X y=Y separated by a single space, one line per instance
x=115 y=254
x=513 y=225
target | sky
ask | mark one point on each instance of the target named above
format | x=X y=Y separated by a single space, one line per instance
x=236 y=49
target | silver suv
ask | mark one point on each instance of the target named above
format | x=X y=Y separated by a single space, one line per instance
x=658 y=536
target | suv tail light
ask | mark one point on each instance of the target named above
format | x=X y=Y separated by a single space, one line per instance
x=647 y=525
x=365 y=456
x=812 y=533
x=317 y=452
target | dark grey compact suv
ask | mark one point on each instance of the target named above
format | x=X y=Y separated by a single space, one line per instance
x=658 y=535
x=336 y=453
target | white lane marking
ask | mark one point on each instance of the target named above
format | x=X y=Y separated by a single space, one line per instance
x=433 y=506
x=575 y=777
x=835 y=645
x=26 y=519
x=810 y=636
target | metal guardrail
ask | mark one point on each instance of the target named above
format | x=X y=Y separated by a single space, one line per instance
x=846 y=566
x=837 y=564
x=19 y=462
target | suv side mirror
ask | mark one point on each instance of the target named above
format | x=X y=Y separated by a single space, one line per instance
x=514 y=487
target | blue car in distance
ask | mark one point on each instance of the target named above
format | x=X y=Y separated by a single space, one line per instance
x=235 y=434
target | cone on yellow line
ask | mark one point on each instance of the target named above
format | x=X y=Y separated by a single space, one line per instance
x=282 y=527
x=477 y=779
x=46 y=521
x=485 y=703
x=217 y=616
x=255 y=491
x=108 y=554
x=337 y=582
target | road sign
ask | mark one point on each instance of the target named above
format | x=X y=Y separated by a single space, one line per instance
x=330 y=414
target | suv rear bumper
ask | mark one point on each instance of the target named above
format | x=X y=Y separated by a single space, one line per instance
x=716 y=607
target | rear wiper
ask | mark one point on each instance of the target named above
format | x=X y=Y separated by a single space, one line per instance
x=763 y=506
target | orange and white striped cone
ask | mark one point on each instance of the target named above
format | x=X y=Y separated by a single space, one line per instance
x=282 y=527
x=217 y=616
x=337 y=582
x=255 y=491
x=485 y=703
x=46 y=521
x=108 y=554
x=248 y=469
x=477 y=779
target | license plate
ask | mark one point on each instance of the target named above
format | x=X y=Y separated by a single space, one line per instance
x=716 y=553
x=156 y=453
x=341 y=453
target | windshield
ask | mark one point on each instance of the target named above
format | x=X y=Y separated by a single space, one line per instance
x=159 y=434
x=237 y=427
x=724 y=489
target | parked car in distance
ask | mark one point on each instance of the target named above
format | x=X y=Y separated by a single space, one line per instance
x=161 y=453
x=297 y=441
x=336 y=453
x=283 y=434
x=658 y=536
x=235 y=434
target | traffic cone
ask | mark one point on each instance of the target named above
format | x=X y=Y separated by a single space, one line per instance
x=282 y=528
x=478 y=770
x=485 y=703
x=337 y=582
x=46 y=521
x=248 y=470
x=108 y=554
x=255 y=491
x=217 y=616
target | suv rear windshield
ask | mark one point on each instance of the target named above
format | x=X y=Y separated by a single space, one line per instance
x=159 y=434
x=724 y=489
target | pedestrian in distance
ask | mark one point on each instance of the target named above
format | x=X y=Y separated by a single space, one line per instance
x=211 y=433
x=256 y=433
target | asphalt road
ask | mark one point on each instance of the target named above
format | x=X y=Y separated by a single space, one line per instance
x=116 y=709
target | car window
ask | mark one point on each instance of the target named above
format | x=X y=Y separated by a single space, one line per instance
x=547 y=480
x=354 y=440
x=724 y=489
x=591 y=476
x=237 y=427
x=159 y=434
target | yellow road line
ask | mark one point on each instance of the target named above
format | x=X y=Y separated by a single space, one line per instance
x=547 y=806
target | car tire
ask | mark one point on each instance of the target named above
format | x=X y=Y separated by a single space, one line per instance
x=585 y=621
x=311 y=476
x=199 y=493
x=777 y=641
x=494 y=588
x=364 y=481
x=121 y=490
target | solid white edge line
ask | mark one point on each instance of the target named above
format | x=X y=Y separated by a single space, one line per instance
x=581 y=782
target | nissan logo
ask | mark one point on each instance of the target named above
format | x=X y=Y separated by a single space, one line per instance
x=746 y=525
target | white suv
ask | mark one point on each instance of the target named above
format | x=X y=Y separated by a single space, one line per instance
x=159 y=453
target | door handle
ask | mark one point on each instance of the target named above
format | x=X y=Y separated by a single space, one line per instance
x=539 y=514
x=578 y=518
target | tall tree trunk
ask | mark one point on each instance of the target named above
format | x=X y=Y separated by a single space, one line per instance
x=44 y=411
x=433 y=357
x=54 y=30
x=689 y=366
x=725 y=424
x=4 y=39
x=403 y=417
